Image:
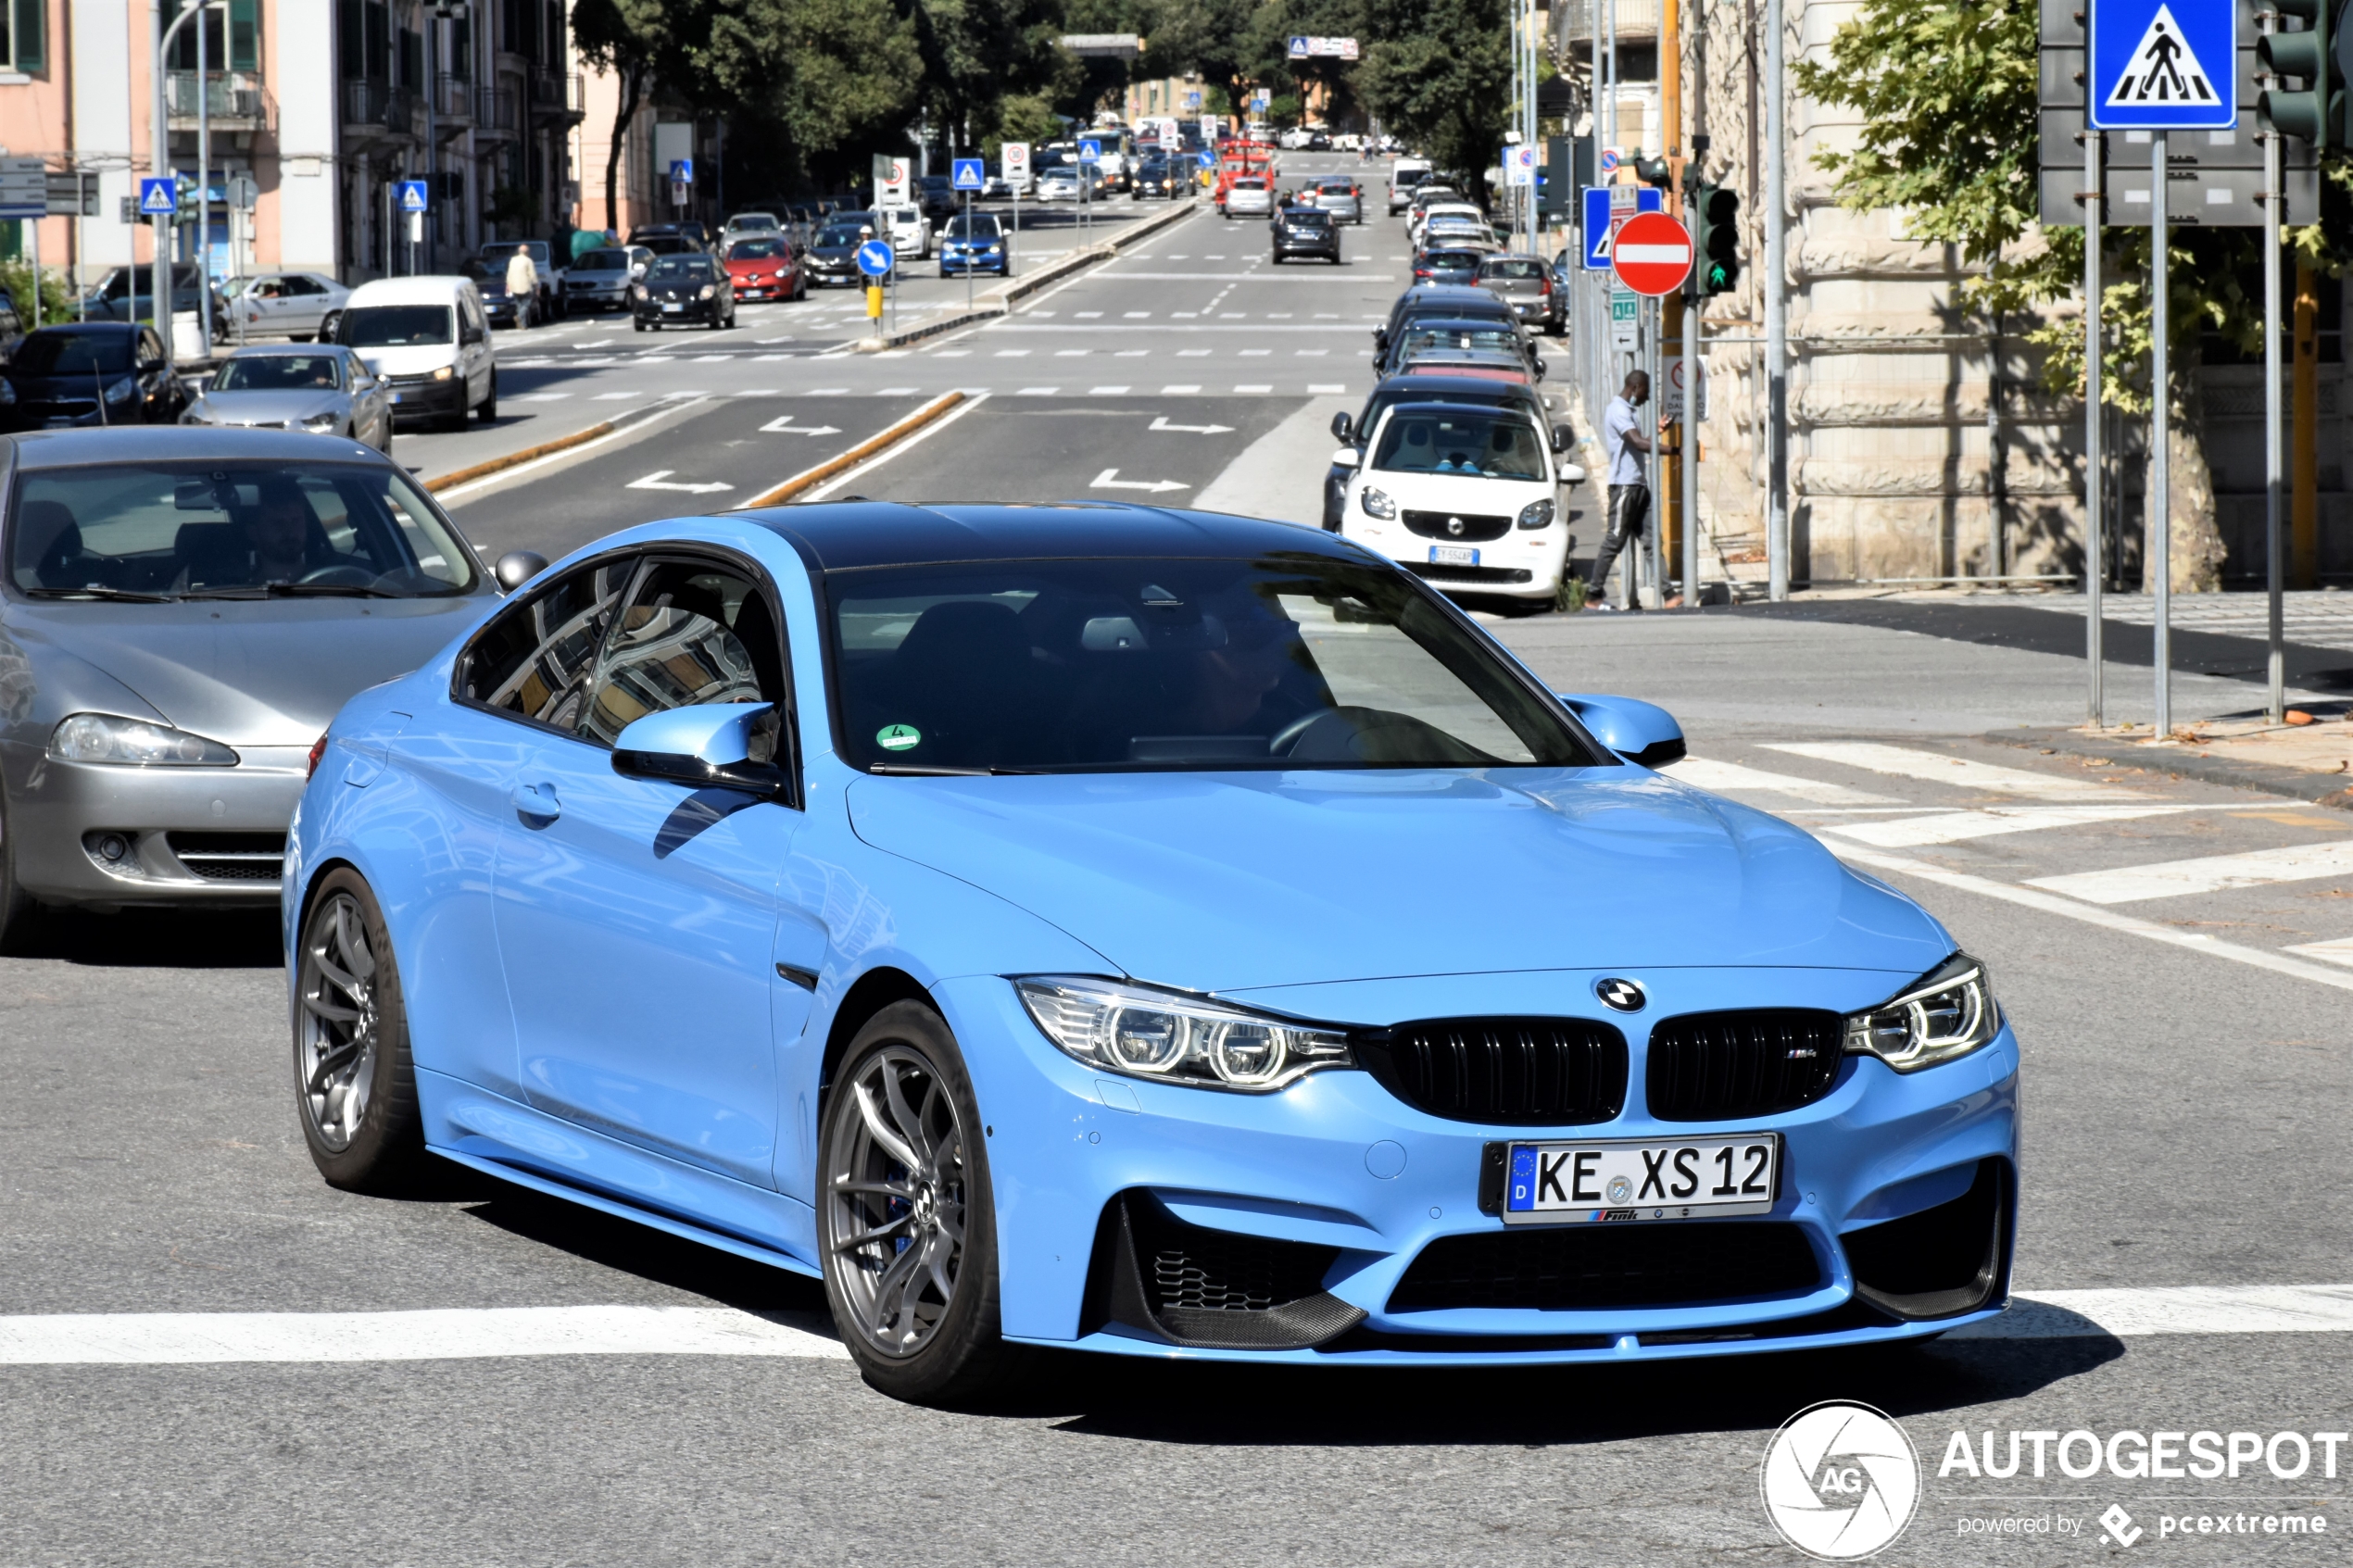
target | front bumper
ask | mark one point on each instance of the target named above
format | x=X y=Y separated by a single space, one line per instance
x=189 y=835
x=414 y=399
x=1081 y=1163
x=600 y=295
x=687 y=311
x=972 y=261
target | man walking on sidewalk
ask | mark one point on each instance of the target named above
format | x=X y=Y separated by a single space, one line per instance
x=1629 y=490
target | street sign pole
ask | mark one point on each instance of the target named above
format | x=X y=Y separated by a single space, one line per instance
x=2274 y=466
x=1690 y=439
x=1777 y=539
x=2095 y=526
x=2161 y=513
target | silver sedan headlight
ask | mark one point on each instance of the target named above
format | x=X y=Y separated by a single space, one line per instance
x=103 y=737
x=1151 y=1034
x=1946 y=1014
x=321 y=424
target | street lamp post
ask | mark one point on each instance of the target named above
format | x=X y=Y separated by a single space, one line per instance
x=159 y=159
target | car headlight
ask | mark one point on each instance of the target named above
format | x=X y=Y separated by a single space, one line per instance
x=708 y=290
x=195 y=414
x=1946 y=1014
x=636 y=291
x=1376 y=503
x=321 y=424
x=102 y=737
x=122 y=391
x=1536 y=514
x=1149 y=1033
x=444 y=372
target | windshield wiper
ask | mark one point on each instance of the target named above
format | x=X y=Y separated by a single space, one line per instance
x=928 y=771
x=346 y=590
x=98 y=591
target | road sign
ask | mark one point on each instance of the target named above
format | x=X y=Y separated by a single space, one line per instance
x=1605 y=208
x=1013 y=158
x=1624 y=316
x=681 y=171
x=1609 y=160
x=1670 y=397
x=1519 y=166
x=24 y=187
x=965 y=174
x=1193 y=100
x=2162 y=65
x=874 y=258
x=1652 y=254
x=158 y=198
x=413 y=198
x=244 y=194
x=72 y=196
x=1089 y=150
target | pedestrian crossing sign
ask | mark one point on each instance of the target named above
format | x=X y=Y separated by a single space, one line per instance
x=2163 y=64
x=158 y=198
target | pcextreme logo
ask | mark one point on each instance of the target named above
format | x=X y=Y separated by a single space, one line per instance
x=1839 y=1481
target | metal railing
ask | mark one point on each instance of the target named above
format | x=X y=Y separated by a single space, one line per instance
x=453 y=97
x=379 y=106
x=494 y=109
x=227 y=95
x=555 y=93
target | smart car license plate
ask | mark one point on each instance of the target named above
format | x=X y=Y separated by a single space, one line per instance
x=1452 y=555
x=672 y=309
x=1706 y=1178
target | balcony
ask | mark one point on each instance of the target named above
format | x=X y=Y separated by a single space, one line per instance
x=556 y=96
x=231 y=101
x=378 y=111
x=495 y=112
x=453 y=103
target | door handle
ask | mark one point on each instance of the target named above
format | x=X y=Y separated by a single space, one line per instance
x=536 y=802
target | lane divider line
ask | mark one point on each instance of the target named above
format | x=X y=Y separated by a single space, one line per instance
x=972 y=401
x=817 y=474
x=450 y=487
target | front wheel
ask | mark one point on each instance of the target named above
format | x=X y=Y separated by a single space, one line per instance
x=17 y=910
x=355 y=1088
x=489 y=409
x=906 y=1219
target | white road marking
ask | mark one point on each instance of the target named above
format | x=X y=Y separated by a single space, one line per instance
x=1708 y=773
x=1160 y=422
x=1256 y=353
x=615 y=396
x=2090 y=914
x=1107 y=392
x=972 y=400
x=1037 y=391
x=1325 y=387
x=1952 y=827
x=1109 y=480
x=1255 y=386
x=2338 y=949
x=2183 y=1308
x=2210 y=873
x=1070 y=354
x=712 y=359
x=1012 y=354
x=447 y=1333
x=1192 y=353
x=1174 y=390
x=1905 y=763
x=541 y=397
x=660 y=479
x=1133 y=354
x=783 y=425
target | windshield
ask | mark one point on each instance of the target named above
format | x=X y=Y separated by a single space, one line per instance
x=395 y=326
x=1499 y=267
x=1094 y=666
x=748 y=222
x=839 y=234
x=536 y=249
x=69 y=354
x=602 y=261
x=1307 y=217
x=755 y=250
x=279 y=372
x=1382 y=401
x=980 y=226
x=1500 y=444
x=680 y=267
x=231 y=527
x=1500 y=340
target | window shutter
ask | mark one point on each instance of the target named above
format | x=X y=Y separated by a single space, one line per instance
x=31 y=29
x=245 y=34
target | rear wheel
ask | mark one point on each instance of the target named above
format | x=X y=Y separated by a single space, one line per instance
x=355 y=1088
x=906 y=1218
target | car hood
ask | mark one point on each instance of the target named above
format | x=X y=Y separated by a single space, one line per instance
x=1219 y=882
x=271 y=408
x=410 y=360
x=248 y=673
x=49 y=388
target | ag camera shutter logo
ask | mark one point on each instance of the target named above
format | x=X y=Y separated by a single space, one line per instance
x=1839 y=1481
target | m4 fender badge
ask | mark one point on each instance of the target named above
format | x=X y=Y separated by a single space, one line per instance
x=1624 y=996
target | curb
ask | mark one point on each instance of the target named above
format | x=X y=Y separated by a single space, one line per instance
x=2333 y=790
x=1006 y=293
x=516 y=459
x=810 y=478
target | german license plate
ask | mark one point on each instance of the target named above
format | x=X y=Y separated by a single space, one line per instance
x=1452 y=555
x=672 y=309
x=1558 y=1184
x=395 y=397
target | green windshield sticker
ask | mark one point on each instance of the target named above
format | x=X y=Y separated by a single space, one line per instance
x=898 y=737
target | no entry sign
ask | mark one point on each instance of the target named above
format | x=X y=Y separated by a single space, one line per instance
x=1652 y=254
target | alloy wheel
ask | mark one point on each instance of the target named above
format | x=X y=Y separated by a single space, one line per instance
x=339 y=1025
x=895 y=1199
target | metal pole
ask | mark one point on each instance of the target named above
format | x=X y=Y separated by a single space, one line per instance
x=433 y=128
x=158 y=160
x=2158 y=518
x=1689 y=437
x=1777 y=539
x=36 y=231
x=2095 y=568
x=2274 y=456
x=1655 y=593
x=968 y=254
x=204 y=187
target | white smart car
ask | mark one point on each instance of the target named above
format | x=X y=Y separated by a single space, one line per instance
x=1462 y=496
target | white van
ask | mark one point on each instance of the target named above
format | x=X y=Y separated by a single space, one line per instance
x=428 y=338
x=1403 y=175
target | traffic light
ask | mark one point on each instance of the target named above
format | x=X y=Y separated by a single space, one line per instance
x=1654 y=171
x=1715 y=235
x=2315 y=114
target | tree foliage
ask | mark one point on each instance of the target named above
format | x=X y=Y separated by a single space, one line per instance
x=1439 y=73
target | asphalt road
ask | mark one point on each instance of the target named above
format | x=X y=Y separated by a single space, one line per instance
x=2187 y=1106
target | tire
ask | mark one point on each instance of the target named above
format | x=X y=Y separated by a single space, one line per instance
x=19 y=914
x=930 y=1349
x=380 y=1147
x=489 y=409
x=637 y=324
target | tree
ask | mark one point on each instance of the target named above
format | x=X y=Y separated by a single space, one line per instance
x=621 y=38
x=1440 y=75
x=812 y=85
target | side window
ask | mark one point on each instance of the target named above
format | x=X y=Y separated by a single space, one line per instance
x=692 y=633
x=533 y=659
x=297 y=283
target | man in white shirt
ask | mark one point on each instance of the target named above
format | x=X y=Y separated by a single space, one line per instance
x=1629 y=490
x=523 y=285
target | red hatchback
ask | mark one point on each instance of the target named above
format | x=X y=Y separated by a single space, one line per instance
x=766 y=268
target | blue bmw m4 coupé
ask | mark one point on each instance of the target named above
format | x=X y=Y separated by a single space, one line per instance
x=1139 y=930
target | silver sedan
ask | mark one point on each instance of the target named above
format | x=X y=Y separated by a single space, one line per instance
x=182 y=613
x=325 y=391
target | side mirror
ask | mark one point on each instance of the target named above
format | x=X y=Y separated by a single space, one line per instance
x=1346 y=458
x=1572 y=473
x=1560 y=438
x=516 y=567
x=1640 y=732
x=1380 y=337
x=1342 y=425
x=1539 y=367
x=719 y=746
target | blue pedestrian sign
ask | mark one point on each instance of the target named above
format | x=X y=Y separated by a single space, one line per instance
x=874 y=258
x=2162 y=65
x=412 y=195
x=158 y=198
x=1090 y=151
x=681 y=171
x=1600 y=222
x=966 y=175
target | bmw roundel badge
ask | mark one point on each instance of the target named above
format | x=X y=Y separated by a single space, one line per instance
x=1626 y=996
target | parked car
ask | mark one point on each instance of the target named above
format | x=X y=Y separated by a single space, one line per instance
x=1526 y=284
x=429 y=338
x=979 y=949
x=1251 y=195
x=1451 y=266
x=549 y=304
x=500 y=308
x=1306 y=231
x=1441 y=302
x=683 y=291
x=185 y=610
x=600 y=279
x=974 y=243
x=127 y=293
x=1423 y=387
x=300 y=306
x=655 y=236
x=326 y=390
x=1464 y=498
x=1405 y=175
x=766 y=267
x=1426 y=341
x=89 y=373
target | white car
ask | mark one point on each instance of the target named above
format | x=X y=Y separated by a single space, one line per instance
x=1415 y=223
x=1462 y=496
x=1057 y=184
x=908 y=230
